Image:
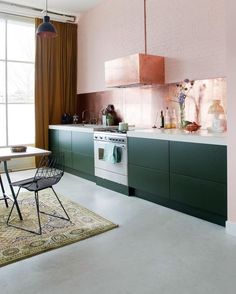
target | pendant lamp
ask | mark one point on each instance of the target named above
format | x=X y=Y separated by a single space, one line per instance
x=46 y=29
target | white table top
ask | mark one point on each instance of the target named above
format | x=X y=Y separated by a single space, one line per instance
x=7 y=154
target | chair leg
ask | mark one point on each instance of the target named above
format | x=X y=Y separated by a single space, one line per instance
x=68 y=218
x=38 y=212
x=61 y=217
x=38 y=215
x=3 y=192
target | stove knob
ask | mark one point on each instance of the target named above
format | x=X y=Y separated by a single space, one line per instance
x=100 y=137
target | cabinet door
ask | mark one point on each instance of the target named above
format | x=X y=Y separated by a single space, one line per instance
x=65 y=140
x=149 y=180
x=54 y=140
x=83 y=143
x=65 y=147
x=83 y=163
x=150 y=153
x=202 y=194
x=202 y=161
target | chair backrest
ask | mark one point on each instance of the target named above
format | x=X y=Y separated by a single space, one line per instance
x=51 y=168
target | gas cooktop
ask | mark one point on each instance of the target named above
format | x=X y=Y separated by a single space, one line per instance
x=111 y=130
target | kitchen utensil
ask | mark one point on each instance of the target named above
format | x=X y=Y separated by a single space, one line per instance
x=123 y=127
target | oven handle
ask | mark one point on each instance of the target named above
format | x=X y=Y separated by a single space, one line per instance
x=123 y=146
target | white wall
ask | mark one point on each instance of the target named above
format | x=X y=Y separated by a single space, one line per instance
x=190 y=34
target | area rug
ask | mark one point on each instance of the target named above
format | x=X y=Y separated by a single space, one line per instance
x=16 y=244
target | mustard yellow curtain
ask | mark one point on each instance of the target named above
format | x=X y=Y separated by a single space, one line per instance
x=55 y=79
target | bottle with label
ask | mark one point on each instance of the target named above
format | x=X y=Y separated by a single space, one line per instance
x=173 y=119
x=162 y=120
x=167 y=119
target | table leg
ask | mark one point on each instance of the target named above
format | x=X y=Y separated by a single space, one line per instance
x=3 y=192
x=12 y=190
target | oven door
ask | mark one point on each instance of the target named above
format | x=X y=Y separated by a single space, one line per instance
x=115 y=172
x=118 y=168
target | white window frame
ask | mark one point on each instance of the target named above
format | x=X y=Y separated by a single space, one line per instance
x=6 y=18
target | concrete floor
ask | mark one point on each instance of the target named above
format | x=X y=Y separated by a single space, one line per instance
x=155 y=250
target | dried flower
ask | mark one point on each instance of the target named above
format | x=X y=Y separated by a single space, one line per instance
x=183 y=89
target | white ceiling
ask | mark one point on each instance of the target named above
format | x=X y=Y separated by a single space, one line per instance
x=74 y=7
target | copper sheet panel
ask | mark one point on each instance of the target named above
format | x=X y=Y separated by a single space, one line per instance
x=142 y=106
x=134 y=70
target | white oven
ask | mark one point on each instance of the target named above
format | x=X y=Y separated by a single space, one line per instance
x=116 y=171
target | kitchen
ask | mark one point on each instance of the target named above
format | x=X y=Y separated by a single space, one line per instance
x=142 y=105
x=202 y=57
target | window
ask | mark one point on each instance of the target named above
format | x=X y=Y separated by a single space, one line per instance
x=17 y=54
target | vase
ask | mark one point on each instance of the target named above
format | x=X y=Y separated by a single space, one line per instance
x=182 y=116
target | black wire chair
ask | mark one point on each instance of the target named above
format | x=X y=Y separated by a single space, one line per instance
x=48 y=174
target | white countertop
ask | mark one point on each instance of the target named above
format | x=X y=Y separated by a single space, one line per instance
x=76 y=127
x=201 y=136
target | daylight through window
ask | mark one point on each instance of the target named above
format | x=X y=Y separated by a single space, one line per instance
x=17 y=57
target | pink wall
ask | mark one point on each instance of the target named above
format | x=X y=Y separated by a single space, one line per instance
x=190 y=34
x=231 y=80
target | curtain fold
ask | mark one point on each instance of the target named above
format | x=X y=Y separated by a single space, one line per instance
x=55 y=79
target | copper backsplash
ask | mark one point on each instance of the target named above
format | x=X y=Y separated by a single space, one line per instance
x=142 y=106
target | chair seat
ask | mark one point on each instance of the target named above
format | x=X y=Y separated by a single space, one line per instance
x=33 y=184
x=23 y=182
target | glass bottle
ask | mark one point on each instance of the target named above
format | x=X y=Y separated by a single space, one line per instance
x=167 y=119
x=173 y=119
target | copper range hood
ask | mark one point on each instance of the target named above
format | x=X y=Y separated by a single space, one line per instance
x=137 y=69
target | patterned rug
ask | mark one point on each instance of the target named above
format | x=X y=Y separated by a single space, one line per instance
x=16 y=244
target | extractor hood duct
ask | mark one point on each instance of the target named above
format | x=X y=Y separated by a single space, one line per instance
x=135 y=70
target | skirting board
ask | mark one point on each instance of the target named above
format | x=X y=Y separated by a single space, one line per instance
x=231 y=228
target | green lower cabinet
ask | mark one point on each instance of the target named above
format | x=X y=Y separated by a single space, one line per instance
x=67 y=158
x=148 y=180
x=189 y=177
x=83 y=163
x=82 y=143
x=54 y=141
x=77 y=148
x=204 y=161
x=201 y=194
x=65 y=141
x=149 y=153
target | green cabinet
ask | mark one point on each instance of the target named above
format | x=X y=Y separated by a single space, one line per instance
x=64 y=141
x=83 y=152
x=208 y=196
x=60 y=141
x=198 y=177
x=189 y=177
x=78 y=151
x=148 y=167
x=54 y=140
x=205 y=161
